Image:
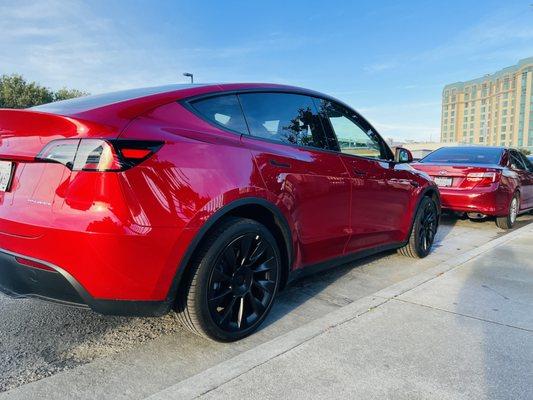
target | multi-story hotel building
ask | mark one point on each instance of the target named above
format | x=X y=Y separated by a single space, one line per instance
x=494 y=110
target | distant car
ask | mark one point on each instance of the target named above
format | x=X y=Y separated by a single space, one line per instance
x=482 y=181
x=202 y=198
x=530 y=158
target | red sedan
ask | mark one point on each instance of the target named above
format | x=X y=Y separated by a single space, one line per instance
x=482 y=181
x=206 y=199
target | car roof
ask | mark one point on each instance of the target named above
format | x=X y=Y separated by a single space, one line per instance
x=151 y=95
x=476 y=147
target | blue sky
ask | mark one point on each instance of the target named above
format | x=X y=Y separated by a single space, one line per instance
x=389 y=60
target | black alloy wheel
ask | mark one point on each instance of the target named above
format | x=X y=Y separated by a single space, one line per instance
x=427 y=228
x=242 y=283
x=233 y=281
x=424 y=230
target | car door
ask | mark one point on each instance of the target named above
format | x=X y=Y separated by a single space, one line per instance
x=382 y=192
x=527 y=182
x=290 y=149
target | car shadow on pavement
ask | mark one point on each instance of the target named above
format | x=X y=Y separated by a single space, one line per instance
x=344 y=284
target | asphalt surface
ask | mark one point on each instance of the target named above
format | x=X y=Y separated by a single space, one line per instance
x=38 y=339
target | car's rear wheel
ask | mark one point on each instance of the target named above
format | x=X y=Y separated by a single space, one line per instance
x=423 y=231
x=508 y=221
x=233 y=281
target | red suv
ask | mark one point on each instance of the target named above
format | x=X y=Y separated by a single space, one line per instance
x=206 y=199
x=482 y=181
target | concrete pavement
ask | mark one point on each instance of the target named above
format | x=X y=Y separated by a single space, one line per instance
x=115 y=358
x=461 y=330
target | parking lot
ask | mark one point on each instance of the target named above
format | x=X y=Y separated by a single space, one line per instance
x=111 y=357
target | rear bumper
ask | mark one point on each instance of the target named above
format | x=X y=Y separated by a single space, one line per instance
x=20 y=281
x=491 y=201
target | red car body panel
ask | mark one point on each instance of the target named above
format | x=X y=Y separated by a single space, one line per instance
x=127 y=235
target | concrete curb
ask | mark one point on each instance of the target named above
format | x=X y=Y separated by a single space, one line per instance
x=224 y=372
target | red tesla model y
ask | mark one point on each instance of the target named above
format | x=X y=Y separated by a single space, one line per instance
x=206 y=199
x=482 y=181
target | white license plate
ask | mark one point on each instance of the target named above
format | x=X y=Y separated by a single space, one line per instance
x=443 y=181
x=6 y=171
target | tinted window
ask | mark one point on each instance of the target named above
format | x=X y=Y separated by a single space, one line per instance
x=287 y=118
x=527 y=162
x=466 y=155
x=516 y=161
x=354 y=135
x=222 y=110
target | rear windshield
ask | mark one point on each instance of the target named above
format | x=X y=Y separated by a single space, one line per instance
x=466 y=155
x=81 y=104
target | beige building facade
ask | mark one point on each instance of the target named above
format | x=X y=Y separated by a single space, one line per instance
x=494 y=110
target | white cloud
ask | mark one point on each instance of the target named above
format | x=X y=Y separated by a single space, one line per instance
x=380 y=67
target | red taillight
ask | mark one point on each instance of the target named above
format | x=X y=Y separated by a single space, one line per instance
x=135 y=154
x=34 y=264
x=98 y=154
x=483 y=178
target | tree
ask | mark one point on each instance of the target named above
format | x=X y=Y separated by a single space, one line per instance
x=526 y=152
x=65 y=94
x=16 y=92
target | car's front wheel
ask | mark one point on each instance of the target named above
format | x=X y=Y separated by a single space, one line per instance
x=423 y=231
x=233 y=280
x=508 y=221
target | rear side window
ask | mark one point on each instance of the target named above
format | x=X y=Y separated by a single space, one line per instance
x=283 y=117
x=467 y=155
x=222 y=110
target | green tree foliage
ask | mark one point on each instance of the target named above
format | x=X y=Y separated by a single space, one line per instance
x=16 y=92
x=65 y=94
x=526 y=152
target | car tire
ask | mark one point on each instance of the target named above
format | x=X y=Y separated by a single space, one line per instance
x=423 y=230
x=233 y=280
x=508 y=221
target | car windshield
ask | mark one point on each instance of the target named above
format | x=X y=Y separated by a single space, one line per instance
x=466 y=155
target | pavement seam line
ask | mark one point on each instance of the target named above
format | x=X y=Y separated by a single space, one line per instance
x=463 y=315
x=431 y=274
x=292 y=348
x=173 y=391
x=470 y=256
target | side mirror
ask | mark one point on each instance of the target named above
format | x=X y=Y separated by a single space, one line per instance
x=402 y=155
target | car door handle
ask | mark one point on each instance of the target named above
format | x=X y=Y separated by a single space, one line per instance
x=404 y=182
x=280 y=164
x=358 y=172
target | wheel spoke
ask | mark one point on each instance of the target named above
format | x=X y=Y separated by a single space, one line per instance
x=241 y=312
x=230 y=257
x=257 y=306
x=264 y=266
x=220 y=276
x=245 y=245
x=228 y=311
x=220 y=296
x=258 y=252
x=265 y=286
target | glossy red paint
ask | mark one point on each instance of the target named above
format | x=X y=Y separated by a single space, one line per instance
x=482 y=188
x=125 y=235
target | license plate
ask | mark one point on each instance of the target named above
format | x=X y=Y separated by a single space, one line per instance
x=6 y=171
x=443 y=181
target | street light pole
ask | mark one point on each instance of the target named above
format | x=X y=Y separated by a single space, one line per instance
x=188 y=74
